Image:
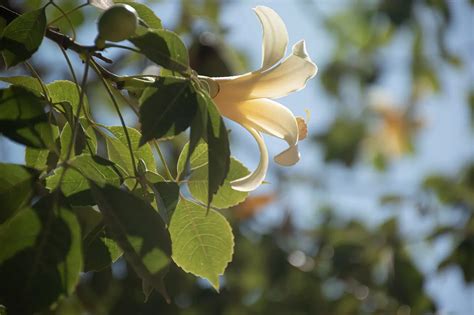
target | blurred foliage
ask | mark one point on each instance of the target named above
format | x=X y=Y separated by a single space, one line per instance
x=337 y=266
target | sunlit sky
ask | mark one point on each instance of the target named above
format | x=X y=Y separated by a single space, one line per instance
x=444 y=144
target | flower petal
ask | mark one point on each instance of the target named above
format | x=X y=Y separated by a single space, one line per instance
x=289 y=76
x=270 y=117
x=275 y=36
x=288 y=157
x=264 y=115
x=254 y=179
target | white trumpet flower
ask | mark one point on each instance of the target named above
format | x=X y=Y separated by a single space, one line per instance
x=246 y=98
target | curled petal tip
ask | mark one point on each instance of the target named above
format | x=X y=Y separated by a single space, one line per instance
x=244 y=187
x=288 y=157
x=299 y=49
x=254 y=179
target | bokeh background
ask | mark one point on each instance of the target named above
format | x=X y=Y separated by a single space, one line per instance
x=377 y=217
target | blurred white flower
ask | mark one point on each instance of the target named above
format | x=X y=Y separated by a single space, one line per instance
x=246 y=98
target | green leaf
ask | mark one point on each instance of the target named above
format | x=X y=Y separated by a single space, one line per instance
x=139 y=231
x=66 y=91
x=225 y=196
x=209 y=126
x=167 y=196
x=38 y=158
x=167 y=109
x=146 y=14
x=153 y=177
x=41 y=256
x=202 y=243
x=23 y=119
x=16 y=188
x=119 y=152
x=23 y=36
x=197 y=159
x=24 y=81
x=218 y=148
x=164 y=48
x=75 y=179
x=86 y=141
x=100 y=253
x=64 y=94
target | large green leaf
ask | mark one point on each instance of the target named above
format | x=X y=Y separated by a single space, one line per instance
x=209 y=126
x=198 y=182
x=23 y=36
x=36 y=158
x=24 y=81
x=100 y=251
x=217 y=146
x=66 y=91
x=41 y=256
x=60 y=92
x=202 y=243
x=164 y=48
x=139 y=231
x=117 y=148
x=86 y=141
x=167 y=109
x=23 y=119
x=164 y=193
x=196 y=160
x=39 y=158
x=225 y=196
x=16 y=188
x=166 y=196
x=84 y=167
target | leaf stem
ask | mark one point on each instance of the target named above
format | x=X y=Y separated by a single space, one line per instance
x=67 y=13
x=79 y=109
x=74 y=78
x=37 y=76
x=163 y=160
x=119 y=113
x=155 y=143
x=69 y=64
x=64 y=14
x=110 y=45
x=76 y=120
